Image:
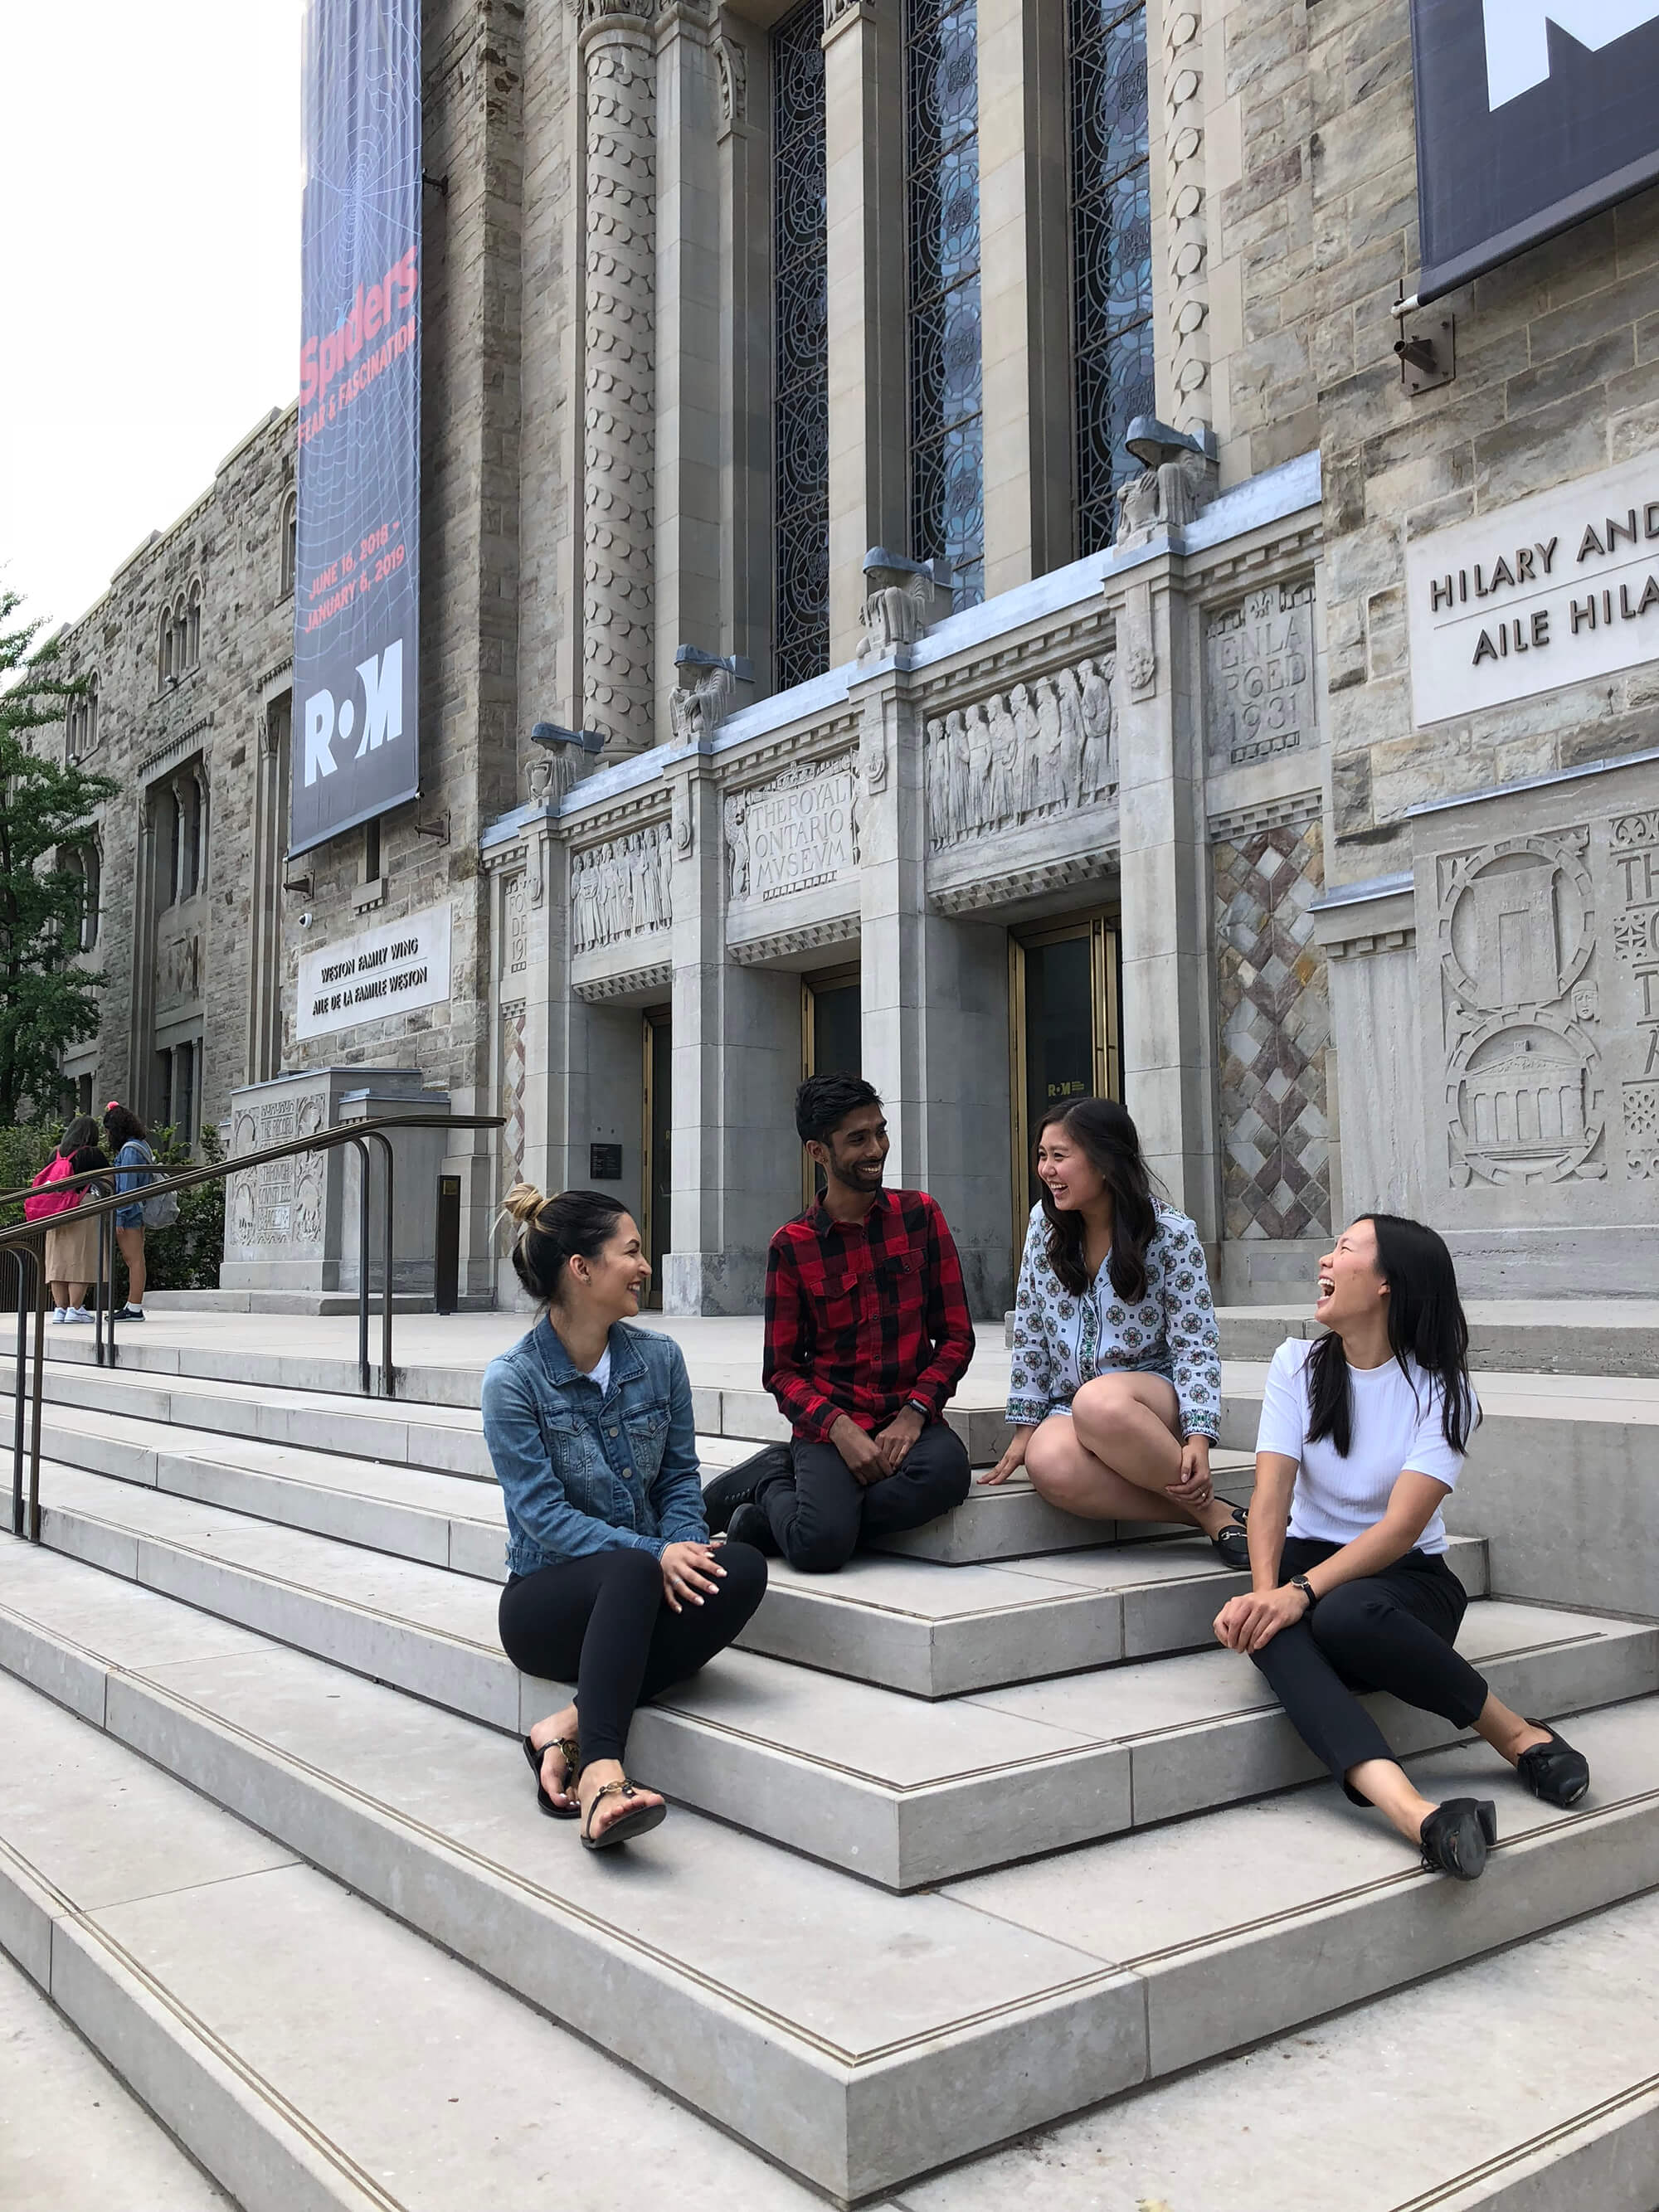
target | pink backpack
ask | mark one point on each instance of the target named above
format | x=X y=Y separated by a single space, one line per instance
x=49 y=1202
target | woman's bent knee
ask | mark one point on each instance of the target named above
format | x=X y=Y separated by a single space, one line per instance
x=744 y=1582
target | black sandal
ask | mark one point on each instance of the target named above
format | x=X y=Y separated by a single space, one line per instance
x=1456 y=1836
x=626 y=1824
x=1554 y=1771
x=1231 y=1545
x=568 y=1746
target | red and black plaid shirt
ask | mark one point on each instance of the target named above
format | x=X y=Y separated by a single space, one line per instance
x=864 y=1316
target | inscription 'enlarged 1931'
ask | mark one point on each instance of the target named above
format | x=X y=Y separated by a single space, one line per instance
x=1556 y=589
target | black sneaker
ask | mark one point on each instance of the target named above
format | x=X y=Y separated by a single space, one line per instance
x=738 y=1485
x=128 y=1313
x=749 y=1525
x=1554 y=1771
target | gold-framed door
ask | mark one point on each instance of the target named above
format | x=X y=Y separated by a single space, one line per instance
x=1064 y=1033
x=656 y=1145
x=831 y=1036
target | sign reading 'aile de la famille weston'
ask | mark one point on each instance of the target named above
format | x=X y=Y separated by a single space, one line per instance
x=1556 y=589
x=394 y=969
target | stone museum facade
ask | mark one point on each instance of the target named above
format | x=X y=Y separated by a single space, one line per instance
x=1295 y=779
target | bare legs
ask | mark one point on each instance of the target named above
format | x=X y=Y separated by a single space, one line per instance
x=1389 y=1788
x=131 y=1242
x=1117 y=1455
x=557 y=1781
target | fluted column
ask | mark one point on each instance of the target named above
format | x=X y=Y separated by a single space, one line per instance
x=619 y=94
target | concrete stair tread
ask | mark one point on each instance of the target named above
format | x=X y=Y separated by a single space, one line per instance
x=904 y=2017
x=900 y=1791
x=79 y=2142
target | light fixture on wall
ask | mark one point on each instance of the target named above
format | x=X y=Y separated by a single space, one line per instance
x=437 y=828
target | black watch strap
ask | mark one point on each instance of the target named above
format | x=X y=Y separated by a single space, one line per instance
x=1301 y=1583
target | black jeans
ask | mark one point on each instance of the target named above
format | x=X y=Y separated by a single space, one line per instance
x=602 y=1621
x=1389 y=1631
x=818 y=1515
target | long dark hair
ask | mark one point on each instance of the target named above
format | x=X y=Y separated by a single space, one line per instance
x=1426 y=1324
x=122 y=1126
x=552 y=1231
x=80 y=1135
x=1106 y=1136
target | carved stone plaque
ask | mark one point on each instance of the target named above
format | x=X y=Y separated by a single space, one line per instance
x=799 y=831
x=1259 y=670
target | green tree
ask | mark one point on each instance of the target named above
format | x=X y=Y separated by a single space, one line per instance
x=46 y=1002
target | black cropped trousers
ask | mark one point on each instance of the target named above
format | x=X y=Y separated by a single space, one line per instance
x=821 y=1513
x=602 y=1622
x=1393 y=1631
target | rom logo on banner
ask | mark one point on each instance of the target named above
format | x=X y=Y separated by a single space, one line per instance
x=1518 y=38
x=378 y=720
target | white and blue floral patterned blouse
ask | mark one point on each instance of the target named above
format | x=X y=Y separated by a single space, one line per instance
x=1062 y=1341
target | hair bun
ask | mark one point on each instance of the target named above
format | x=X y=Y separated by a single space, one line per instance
x=524 y=1202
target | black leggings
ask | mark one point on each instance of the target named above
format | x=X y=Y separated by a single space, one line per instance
x=602 y=1622
x=1393 y=1631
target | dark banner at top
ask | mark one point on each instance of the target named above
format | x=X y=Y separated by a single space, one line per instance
x=1531 y=115
x=356 y=588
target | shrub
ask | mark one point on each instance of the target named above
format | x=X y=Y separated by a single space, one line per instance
x=183 y=1258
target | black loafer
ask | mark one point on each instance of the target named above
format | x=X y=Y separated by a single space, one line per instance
x=749 y=1525
x=1456 y=1836
x=737 y=1487
x=1554 y=1771
x=1231 y=1545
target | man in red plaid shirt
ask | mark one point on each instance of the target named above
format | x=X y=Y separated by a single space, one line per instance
x=868 y=1335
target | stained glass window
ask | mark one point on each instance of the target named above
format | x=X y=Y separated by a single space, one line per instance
x=1111 y=250
x=947 y=451
x=801 y=351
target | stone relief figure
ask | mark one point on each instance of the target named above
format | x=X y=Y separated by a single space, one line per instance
x=902 y=597
x=1025 y=755
x=684 y=828
x=1165 y=497
x=621 y=889
x=736 y=812
x=549 y=774
x=873 y=755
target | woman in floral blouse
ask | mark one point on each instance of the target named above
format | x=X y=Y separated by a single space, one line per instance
x=1115 y=1395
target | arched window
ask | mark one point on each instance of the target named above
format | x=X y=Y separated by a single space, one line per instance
x=165 y=670
x=193 y=627
x=92 y=892
x=290 y=542
x=81 y=723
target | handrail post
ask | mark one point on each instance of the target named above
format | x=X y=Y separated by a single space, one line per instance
x=19 y=1382
x=388 y=1380
x=98 y=1291
x=360 y=1147
x=38 y=1253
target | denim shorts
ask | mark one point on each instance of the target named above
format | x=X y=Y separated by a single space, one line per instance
x=130 y=1216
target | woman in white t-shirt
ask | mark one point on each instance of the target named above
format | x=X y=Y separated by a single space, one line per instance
x=1362 y=1438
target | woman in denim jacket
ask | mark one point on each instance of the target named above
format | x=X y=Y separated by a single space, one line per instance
x=613 y=1582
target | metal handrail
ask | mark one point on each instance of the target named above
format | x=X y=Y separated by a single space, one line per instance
x=27 y=1240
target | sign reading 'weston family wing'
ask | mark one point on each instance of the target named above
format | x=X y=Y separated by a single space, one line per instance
x=1530 y=115
x=356 y=646
x=1553 y=589
x=393 y=969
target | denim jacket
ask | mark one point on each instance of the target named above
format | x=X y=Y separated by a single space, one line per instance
x=582 y=1471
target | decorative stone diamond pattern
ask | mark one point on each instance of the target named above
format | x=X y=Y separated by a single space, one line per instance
x=1275 y=1026
x=512 y=1069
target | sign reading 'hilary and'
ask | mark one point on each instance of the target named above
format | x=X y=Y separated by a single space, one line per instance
x=1555 y=589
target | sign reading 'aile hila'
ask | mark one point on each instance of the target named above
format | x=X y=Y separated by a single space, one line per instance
x=356 y=585
x=1530 y=115
x=1553 y=589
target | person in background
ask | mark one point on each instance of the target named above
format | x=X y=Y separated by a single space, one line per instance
x=868 y=1335
x=612 y=1582
x=1362 y=1439
x=1115 y=1385
x=135 y=1164
x=72 y=1245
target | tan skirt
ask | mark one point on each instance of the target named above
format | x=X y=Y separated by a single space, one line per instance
x=72 y=1251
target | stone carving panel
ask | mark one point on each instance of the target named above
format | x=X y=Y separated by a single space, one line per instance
x=619 y=419
x=799 y=831
x=282 y=1202
x=515 y=920
x=621 y=889
x=1259 y=657
x=1042 y=750
x=1524 y=1089
x=512 y=1092
x=1634 y=840
x=1275 y=1023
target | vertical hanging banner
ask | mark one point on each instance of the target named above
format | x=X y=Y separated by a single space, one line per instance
x=1531 y=115
x=355 y=749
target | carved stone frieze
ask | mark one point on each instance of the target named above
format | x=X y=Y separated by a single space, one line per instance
x=1260 y=674
x=281 y=1201
x=1010 y=886
x=798 y=830
x=515 y=925
x=789 y=943
x=1042 y=749
x=628 y=983
x=621 y=889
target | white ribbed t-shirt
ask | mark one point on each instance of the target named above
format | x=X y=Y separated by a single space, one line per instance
x=1396 y=1426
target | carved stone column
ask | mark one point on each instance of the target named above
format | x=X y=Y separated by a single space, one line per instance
x=618 y=66
x=1188 y=231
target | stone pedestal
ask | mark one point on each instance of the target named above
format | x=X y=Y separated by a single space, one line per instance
x=292 y=1227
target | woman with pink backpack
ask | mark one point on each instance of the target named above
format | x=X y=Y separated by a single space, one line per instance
x=71 y=1245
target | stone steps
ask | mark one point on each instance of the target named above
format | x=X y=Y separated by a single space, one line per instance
x=900 y=1791
x=858 y=2039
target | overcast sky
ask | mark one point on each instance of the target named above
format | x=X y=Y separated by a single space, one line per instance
x=149 y=172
